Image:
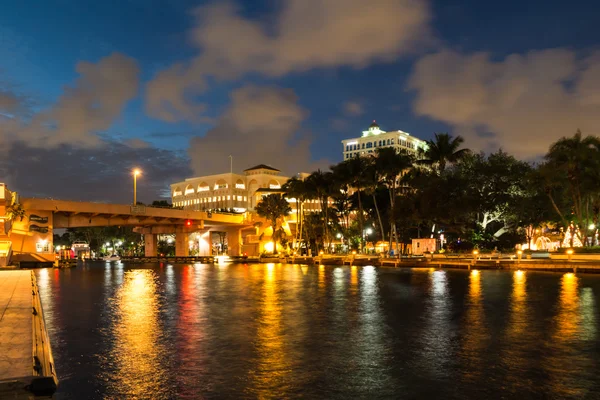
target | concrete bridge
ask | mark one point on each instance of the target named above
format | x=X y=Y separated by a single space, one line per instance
x=32 y=237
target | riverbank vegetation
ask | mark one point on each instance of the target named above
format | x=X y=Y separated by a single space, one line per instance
x=465 y=199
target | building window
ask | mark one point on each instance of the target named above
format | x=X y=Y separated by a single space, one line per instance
x=363 y=145
x=388 y=142
x=245 y=199
x=228 y=197
x=392 y=141
x=42 y=246
x=374 y=144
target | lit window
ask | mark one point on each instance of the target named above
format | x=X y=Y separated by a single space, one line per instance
x=245 y=198
x=42 y=246
x=239 y=198
x=228 y=197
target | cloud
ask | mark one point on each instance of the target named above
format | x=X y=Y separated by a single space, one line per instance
x=137 y=143
x=339 y=124
x=86 y=108
x=521 y=103
x=9 y=102
x=92 y=174
x=304 y=35
x=353 y=108
x=260 y=126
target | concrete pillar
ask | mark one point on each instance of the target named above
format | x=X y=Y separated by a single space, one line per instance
x=204 y=245
x=150 y=245
x=234 y=241
x=182 y=244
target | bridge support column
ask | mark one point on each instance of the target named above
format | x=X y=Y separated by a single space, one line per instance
x=182 y=244
x=234 y=241
x=204 y=244
x=150 y=245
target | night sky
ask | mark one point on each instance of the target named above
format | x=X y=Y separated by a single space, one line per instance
x=91 y=89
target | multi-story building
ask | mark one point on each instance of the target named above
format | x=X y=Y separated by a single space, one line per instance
x=229 y=190
x=237 y=192
x=374 y=138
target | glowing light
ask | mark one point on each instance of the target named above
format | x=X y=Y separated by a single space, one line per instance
x=269 y=247
x=137 y=172
x=475 y=252
x=519 y=252
x=592 y=226
x=570 y=251
x=369 y=231
x=351 y=143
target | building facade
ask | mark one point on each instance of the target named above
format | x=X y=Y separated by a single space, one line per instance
x=227 y=191
x=374 y=138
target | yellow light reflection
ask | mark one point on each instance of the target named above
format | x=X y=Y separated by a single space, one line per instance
x=475 y=331
x=137 y=353
x=321 y=277
x=569 y=317
x=518 y=328
x=273 y=365
x=354 y=275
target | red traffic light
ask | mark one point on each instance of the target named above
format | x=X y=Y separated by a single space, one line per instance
x=188 y=223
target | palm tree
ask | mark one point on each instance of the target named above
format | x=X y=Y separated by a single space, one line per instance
x=577 y=160
x=351 y=174
x=443 y=150
x=322 y=185
x=273 y=207
x=372 y=183
x=296 y=188
x=392 y=165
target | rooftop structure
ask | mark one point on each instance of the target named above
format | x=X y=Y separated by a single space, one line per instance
x=374 y=138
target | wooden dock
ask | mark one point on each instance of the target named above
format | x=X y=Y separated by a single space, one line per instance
x=171 y=260
x=26 y=363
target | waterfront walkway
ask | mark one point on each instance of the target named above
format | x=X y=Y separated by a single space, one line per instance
x=26 y=363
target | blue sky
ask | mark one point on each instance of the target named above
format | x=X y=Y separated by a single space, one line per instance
x=42 y=42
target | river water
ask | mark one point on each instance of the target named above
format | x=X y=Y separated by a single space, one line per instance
x=320 y=332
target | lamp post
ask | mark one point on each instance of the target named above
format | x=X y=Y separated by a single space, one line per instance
x=136 y=172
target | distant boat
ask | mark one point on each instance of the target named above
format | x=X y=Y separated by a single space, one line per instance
x=112 y=257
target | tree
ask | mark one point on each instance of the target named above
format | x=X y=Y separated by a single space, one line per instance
x=161 y=203
x=575 y=163
x=372 y=183
x=15 y=211
x=352 y=174
x=443 y=150
x=322 y=185
x=273 y=207
x=391 y=165
x=296 y=188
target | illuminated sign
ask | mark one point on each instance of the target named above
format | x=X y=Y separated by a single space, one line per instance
x=36 y=228
x=37 y=218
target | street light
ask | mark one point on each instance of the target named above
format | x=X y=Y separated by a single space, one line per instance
x=136 y=172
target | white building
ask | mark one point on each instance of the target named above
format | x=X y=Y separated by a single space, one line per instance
x=229 y=190
x=374 y=138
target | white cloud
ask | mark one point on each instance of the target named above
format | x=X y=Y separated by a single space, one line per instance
x=260 y=126
x=522 y=103
x=86 y=108
x=304 y=35
x=353 y=108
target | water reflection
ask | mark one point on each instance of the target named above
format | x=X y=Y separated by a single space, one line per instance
x=372 y=352
x=137 y=353
x=438 y=349
x=270 y=375
x=568 y=318
x=191 y=329
x=475 y=335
